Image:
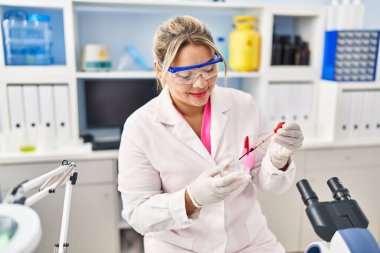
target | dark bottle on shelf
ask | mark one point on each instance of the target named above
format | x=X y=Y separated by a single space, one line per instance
x=297 y=50
x=276 y=51
x=287 y=52
x=305 y=55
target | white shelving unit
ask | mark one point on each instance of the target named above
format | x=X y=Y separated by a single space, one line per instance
x=117 y=23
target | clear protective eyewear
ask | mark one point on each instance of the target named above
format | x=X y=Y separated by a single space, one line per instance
x=189 y=74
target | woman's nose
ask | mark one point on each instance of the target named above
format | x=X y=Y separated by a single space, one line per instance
x=200 y=82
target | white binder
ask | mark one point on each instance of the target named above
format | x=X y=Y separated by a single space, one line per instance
x=62 y=112
x=293 y=103
x=342 y=130
x=32 y=115
x=16 y=117
x=376 y=113
x=305 y=95
x=16 y=108
x=356 y=114
x=288 y=98
x=367 y=118
x=271 y=105
x=46 y=107
x=282 y=98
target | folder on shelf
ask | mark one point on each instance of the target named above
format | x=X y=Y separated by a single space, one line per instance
x=356 y=114
x=282 y=99
x=16 y=110
x=344 y=114
x=376 y=118
x=288 y=98
x=367 y=123
x=271 y=105
x=62 y=112
x=305 y=97
x=16 y=116
x=295 y=107
x=32 y=117
x=46 y=108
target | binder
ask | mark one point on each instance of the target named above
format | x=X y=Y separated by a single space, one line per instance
x=32 y=115
x=356 y=115
x=46 y=108
x=287 y=97
x=305 y=96
x=16 y=116
x=293 y=103
x=376 y=112
x=342 y=130
x=368 y=118
x=62 y=112
x=16 y=108
x=282 y=98
x=271 y=105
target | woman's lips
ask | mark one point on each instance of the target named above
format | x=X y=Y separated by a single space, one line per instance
x=199 y=95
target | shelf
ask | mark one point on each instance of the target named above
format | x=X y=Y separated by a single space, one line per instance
x=35 y=3
x=318 y=143
x=151 y=75
x=70 y=153
x=117 y=75
x=293 y=73
x=352 y=85
x=169 y=3
x=233 y=74
x=41 y=71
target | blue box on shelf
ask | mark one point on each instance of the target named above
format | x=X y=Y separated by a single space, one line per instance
x=28 y=38
x=350 y=55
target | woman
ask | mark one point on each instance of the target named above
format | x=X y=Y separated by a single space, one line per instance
x=169 y=177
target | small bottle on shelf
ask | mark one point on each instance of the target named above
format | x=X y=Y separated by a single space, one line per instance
x=305 y=54
x=288 y=52
x=276 y=51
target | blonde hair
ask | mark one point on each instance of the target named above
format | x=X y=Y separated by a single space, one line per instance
x=176 y=33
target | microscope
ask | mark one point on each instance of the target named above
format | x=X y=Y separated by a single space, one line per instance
x=340 y=223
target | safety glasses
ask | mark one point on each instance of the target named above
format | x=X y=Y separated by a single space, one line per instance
x=189 y=74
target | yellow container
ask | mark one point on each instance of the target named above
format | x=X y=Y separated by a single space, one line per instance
x=244 y=47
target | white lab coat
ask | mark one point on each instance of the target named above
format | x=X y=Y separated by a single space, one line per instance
x=160 y=155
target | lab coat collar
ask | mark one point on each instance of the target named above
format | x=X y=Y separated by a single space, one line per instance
x=220 y=103
x=168 y=114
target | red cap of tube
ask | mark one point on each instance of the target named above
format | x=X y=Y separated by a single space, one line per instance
x=246 y=144
x=279 y=125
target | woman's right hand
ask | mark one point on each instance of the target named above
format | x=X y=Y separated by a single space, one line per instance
x=210 y=188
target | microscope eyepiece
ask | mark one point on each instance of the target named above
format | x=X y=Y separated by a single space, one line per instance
x=338 y=190
x=307 y=194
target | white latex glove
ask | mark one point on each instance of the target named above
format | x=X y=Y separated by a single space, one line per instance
x=210 y=188
x=287 y=140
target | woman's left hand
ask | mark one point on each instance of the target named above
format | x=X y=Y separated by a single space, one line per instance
x=288 y=139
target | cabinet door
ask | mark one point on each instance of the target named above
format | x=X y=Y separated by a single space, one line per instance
x=283 y=211
x=93 y=220
x=93 y=223
x=359 y=176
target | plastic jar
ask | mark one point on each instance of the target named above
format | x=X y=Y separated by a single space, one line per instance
x=27 y=38
x=244 y=48
x=38 y=42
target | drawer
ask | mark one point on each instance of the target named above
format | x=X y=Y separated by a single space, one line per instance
x=94 y=171
x=343 y=158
